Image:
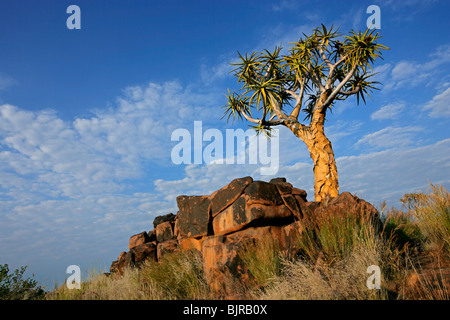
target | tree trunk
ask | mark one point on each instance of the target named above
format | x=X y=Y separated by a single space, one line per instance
x=325 y=171
x=321 y=152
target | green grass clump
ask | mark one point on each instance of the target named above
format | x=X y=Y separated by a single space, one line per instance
x=335 y=250
x=334 y=236
x=432 y=213
x=177 y=275
x=263 y=259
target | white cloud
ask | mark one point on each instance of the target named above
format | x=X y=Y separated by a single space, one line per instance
x=390 y=137
x=91 y=155
x=388 y=174
x=439 y=106
x=412 y=73
x=67 y=186
x=389 y=111
x=374 y=176
x=403 y=69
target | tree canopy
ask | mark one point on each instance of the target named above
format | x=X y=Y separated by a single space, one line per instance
x=324 y=63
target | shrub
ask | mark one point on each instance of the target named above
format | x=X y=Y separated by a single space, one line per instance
x=14 y=287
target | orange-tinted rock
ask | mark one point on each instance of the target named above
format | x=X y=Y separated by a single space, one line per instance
x=290 y=202
x=166 y=247
x=176 y=229
x=164 y=231
x=240 y=214
x=222 y=198
x=126 y=260
x=284 y=187
x=347 y=202
x=151 y=235
x=190 y=243
x=288 y=238
x=277 y=180
x=115 y=264
x=307 y=208
x=138 y=239
x=114 y=267
x=193 y=216
x=302 y=193
x=261 y=192
x=164 y=218
x=143 y=252
x=221 y=253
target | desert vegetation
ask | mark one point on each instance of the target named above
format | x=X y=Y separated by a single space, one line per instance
x=410 y=246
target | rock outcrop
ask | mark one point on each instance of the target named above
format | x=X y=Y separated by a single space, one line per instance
x=221 y=224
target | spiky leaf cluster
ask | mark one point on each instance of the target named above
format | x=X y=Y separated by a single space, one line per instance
x=320 y=69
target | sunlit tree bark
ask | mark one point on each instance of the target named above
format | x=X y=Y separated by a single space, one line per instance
x=319 y=70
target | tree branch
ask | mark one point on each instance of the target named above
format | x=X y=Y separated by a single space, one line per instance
x=339 y=87
x=298 y=102
x=324 y=57
x=331 y=72
x=349 y=93
x=246 y=116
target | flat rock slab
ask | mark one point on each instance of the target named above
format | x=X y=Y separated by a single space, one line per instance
x=242 y=213
x=143 y=252
x=222 y=198
x=193 y=216
x=164 y=218
x=262 y=192
x=164 y=231
x=138 y=239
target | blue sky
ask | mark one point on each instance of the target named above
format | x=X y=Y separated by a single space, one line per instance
x=86 y=115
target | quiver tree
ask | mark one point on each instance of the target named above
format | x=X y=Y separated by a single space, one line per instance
x=317 y=71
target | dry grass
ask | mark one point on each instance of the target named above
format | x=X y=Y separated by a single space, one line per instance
x=335 y=254
x=432 y=213
x=178 y=276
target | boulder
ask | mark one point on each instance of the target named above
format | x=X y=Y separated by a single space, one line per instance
x=126 y=260
x=277 y=180
x=222 y=198
x=164 y=231
x=300 y=192
x=260 y=192
x=242 y=213
x=176 y=229
x=190 y=243
x=151 y=235
x=222 y=224
x=222 y=260
x=138 y=239
x=306 y=208
x=164 y=218
x=347 y=202
x=292 y=204
x=166 y=247
x=193 y=215
x=143 y=252
x=114 y=267
x=284 y=187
